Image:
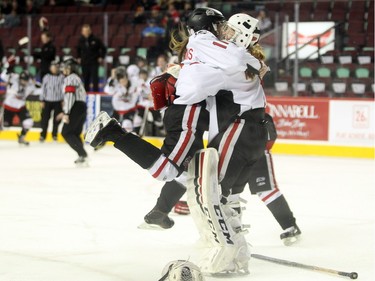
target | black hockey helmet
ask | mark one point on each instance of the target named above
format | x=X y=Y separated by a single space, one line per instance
x=25 y=75
x=205 y=19
x=70 y=65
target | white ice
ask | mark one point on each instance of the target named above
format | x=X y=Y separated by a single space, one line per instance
x=63 y=223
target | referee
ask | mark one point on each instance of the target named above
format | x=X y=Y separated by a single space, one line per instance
x=74 y=110
x=52 y=99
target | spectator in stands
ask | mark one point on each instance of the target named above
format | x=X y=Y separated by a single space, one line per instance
x=170 y=22
x=139 y=15
x=264 y=23
x=134 y=69
x=186 y=11
x=156 y=15
x=91 y=53
x=5 y=7
x=161 y=65
x=12 y=19
x=47 y=53
x=152 y=29
x=31 y=7
x=146 y=4
x=173 y=15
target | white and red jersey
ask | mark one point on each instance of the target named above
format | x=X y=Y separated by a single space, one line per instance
x=211 y=65
x=74 y=91
x=124 y=99
x=110 y=86
x=16 y=94
x=144 y=93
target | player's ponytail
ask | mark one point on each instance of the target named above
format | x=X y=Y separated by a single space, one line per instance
x=258 y=52
x=178 y=42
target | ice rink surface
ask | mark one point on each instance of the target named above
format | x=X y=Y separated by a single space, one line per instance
x=63 y=223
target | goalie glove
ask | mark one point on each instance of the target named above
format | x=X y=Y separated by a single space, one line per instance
x=182 y=208
x=163 y=90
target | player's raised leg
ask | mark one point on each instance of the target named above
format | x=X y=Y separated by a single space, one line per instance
x=102 y=129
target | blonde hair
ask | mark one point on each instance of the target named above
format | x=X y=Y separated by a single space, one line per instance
x=179 y=41
x=258 y=52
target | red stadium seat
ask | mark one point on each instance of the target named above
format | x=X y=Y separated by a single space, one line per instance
x=133 y=40
x=358 y=39
x=117 y=42
x=150 y=41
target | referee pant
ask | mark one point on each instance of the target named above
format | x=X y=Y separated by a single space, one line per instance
x=46 y=114
x=72 y=131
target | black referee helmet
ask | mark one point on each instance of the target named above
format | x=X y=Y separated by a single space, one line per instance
x=71 y=66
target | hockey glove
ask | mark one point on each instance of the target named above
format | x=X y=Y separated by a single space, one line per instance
x=163 y=90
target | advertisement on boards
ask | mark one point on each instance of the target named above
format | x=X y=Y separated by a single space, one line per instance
x=351 y=122
x=300 y=119
x=306 y=32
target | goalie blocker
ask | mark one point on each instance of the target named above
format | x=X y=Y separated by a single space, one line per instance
x=219 y=225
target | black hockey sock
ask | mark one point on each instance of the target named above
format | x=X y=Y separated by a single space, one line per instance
x=137 y=149
x=171 y=192
x=24 y=132
x=282 y=213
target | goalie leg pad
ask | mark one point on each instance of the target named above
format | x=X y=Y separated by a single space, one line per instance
x=228 y=249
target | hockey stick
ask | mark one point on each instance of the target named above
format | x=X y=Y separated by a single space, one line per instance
x=351 y=275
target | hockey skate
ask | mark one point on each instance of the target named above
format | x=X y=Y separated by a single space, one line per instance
x=156 y=219
x=102 y=129
x=22 y=141
x=291 y=235
x=99 y=147
x=81 y=161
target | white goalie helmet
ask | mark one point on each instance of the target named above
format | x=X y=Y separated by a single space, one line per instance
x=244 y=27
x=181 y=270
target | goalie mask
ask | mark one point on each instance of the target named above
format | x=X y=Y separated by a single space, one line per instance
x=181 y=270
x=240 y=30
x=205 y=19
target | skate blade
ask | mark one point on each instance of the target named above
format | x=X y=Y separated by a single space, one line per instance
x=229 y=274
x=149 y=226
x=291 y=240
x=95 y=127
x=82 y=165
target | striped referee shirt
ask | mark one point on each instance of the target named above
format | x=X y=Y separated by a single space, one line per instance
x=73 y=92
x=52 y=86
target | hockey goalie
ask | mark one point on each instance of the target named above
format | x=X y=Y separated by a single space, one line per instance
x=220 y=227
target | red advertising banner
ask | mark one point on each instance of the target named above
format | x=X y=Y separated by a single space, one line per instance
x=300 y=118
